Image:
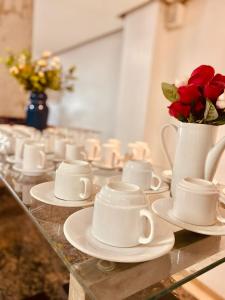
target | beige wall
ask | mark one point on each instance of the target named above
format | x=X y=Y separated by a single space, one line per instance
x=15 y=34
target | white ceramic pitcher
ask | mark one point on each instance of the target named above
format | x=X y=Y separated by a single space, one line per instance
x=197 y=153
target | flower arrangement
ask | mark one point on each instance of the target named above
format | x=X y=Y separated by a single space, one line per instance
x=200 y=99
x=41 y=74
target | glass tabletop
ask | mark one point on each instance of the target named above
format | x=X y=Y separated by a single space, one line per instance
x=193 y=254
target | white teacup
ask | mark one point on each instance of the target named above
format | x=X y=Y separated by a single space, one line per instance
x=196 y=202
x=60 y=147
x=92 y=148
x=134 y=151
x=120 y=215
x=7 y=143
x=19 y=144
x=75 y=152
x=73 y=180
x=110 y=155
x=33 y=156
x=144 y=151
x=140 y=172
x=49 y=142
x=115 y=142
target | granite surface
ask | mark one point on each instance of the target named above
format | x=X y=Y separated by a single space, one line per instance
x=28 y=266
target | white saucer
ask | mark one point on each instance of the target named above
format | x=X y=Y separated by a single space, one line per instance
x=77 y=230
x=55 y=159
x=18 y=167
x=163 y=208
x=167 y=176
x=101 y=165
x=44 y=192
x=164 y=187
x=11 y=159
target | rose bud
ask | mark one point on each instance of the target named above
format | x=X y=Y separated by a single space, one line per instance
x=201 y=75
x=213 y=90
x=189 y=93
x=219 y=79
x=178 y=110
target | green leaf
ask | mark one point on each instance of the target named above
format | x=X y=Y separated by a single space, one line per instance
x=191 y=118
x=170 y=91
x=210 y=113
x=72 y=69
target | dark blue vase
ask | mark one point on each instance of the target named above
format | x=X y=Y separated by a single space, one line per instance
x=37 y=111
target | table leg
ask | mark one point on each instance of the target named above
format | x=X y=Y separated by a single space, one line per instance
x=76 y=291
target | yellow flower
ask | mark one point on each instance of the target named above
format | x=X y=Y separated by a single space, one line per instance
x=14 y=70
x=46 y=54
x=55 y=65
x=42 y=62
x=40 y=74
x=22 y=59
x=56 y=59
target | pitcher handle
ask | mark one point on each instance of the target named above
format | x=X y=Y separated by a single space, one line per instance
x=163 y=142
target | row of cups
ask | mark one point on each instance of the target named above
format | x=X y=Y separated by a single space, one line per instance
x=9 y=134
x=66 y=149
x=74 y=179
x=110 y=151
x=121 y=214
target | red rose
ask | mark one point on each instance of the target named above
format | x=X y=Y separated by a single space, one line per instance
x=219 y=79
x=213 y=91
x=179 y=110
x=202 y=75
x=215 y=87
x=198 y=107
x=189 y=93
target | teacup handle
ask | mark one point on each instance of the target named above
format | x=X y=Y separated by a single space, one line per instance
x=134 y=153
x=159 y=182
x=21 y=152
x=84 y=155
x=42 y=160
x=146 y=213
x=115 y=159
x=87 y=188
x=146 y=152
x=219 y=215
x=97 y=150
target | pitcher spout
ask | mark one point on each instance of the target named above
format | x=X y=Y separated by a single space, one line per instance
x=213 y=159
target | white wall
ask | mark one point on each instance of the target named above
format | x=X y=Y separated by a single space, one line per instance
x=58 y=24
x=93 y=103
x=139 y=36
